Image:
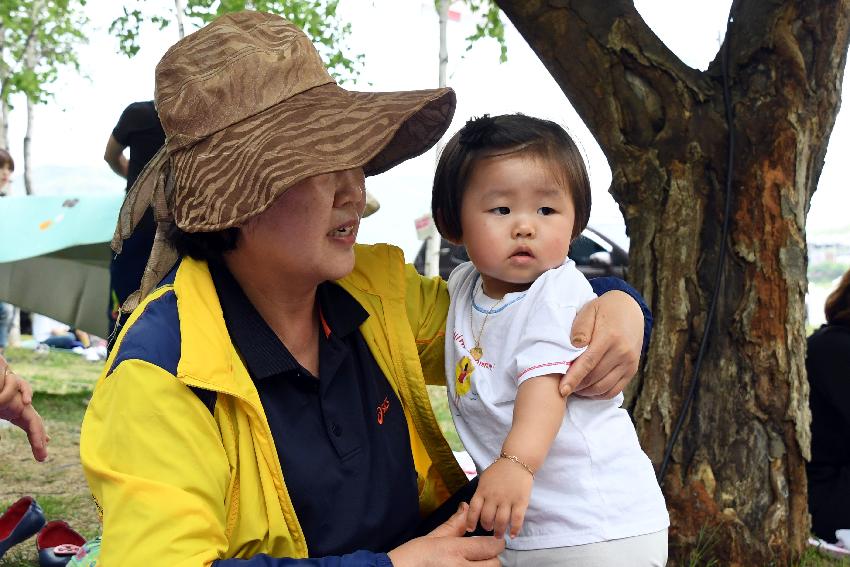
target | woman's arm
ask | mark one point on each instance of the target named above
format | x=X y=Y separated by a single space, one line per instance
x=603 y=285
x=153 y=457
x=443 y=547
x=114 y=156
x=358 y=559
x=616 y=328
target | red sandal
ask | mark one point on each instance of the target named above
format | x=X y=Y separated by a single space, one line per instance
x=21 y=521
x=57 y=543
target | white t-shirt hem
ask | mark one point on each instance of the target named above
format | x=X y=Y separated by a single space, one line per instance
x=620 y=531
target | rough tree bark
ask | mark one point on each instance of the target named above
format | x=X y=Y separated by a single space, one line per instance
x=738 y=465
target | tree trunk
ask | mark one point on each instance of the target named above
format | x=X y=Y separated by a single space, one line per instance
x=179 y=9
x=28 y=184
x=4 y=125
x=4 y=79
x=737 y=467
x=30 y=63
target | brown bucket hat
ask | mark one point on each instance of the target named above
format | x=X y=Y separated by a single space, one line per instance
x=249 y=110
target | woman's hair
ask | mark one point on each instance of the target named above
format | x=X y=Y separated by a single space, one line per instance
x=837 y=308
x=502 y=135
x=6 y=160
x=208 y=246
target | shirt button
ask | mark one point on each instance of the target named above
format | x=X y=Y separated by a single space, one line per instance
x=336 y=429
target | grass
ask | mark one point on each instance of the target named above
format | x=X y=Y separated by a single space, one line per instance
x=62 y=382
x=813 y=558
x=444 y=417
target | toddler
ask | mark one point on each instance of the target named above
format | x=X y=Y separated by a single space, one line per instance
x=514 y=190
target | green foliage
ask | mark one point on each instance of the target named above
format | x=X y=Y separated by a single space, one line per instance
x=702 y=553
x=50 y=30
x=440 y=405
x=490 y=25
x=826 y=272
x=126 y=29
x=813 y=558
x=58 y=371
x=318 y=19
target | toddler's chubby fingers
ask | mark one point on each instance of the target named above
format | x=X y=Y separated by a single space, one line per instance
x=474 y=513
x=517 y=517
x=488 y=514
x=503 y=517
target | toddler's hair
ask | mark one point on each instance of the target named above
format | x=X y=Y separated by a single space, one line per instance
x=6 y=160
x=501 y=135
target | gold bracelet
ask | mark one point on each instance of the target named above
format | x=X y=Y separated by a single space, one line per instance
x=515 y=459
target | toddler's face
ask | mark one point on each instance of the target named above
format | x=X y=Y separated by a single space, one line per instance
x=517 y=221
x=5 y=176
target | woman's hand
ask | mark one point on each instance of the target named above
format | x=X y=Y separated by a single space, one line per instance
x=16 y=407
x=446 y=547
x=612 y=327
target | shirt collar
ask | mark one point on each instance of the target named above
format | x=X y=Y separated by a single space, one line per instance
x=264 y=354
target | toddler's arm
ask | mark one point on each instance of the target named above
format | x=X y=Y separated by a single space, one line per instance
x=505 y=486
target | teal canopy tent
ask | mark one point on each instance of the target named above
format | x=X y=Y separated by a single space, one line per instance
x=54 y=256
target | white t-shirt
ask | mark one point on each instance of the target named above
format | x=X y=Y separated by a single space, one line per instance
x=596 y=483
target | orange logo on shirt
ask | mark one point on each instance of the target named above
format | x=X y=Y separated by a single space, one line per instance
x=382 y=409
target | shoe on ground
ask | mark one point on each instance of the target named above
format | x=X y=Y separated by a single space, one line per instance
x=57 y=543
x=21 y=521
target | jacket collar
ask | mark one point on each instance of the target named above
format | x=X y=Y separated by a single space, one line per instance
x=264 y=353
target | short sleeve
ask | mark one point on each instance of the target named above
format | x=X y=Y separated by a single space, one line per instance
x=460 y=273
x=122 y=130
x=544 y=346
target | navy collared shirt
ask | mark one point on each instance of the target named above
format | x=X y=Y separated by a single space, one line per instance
x=341 y=437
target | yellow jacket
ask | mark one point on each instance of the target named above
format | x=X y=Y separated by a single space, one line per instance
x=179 y=486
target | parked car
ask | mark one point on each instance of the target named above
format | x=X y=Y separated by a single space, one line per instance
x=594 y=253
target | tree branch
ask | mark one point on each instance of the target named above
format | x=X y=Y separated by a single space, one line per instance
x=619 y=76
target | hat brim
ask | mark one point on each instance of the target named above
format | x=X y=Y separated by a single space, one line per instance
x=239 y=171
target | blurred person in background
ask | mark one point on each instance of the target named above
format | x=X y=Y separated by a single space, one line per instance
x=828 y=367
x=7 y=166
x=140 y=130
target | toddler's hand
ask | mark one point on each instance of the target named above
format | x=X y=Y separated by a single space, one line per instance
x=501 y=499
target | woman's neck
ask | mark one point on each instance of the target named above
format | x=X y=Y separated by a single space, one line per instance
x=288 y=308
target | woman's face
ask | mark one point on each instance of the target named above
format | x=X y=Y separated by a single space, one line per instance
x=308 y=233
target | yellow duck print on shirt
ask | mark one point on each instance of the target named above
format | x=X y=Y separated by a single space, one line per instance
x=463 y=376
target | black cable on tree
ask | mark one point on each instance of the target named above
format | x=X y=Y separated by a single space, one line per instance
x=721 y=258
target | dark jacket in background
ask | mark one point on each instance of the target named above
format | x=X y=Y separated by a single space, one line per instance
x=828 y=366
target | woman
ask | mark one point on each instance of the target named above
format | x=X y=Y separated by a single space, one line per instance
x=250 y=408
x=828 y=367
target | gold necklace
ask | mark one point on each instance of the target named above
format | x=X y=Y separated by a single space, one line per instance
x=477 y=352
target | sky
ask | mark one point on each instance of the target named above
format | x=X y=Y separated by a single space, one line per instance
x=400 y=41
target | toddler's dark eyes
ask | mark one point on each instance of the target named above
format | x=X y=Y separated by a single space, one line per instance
x=501 y=210
x=546 y=211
